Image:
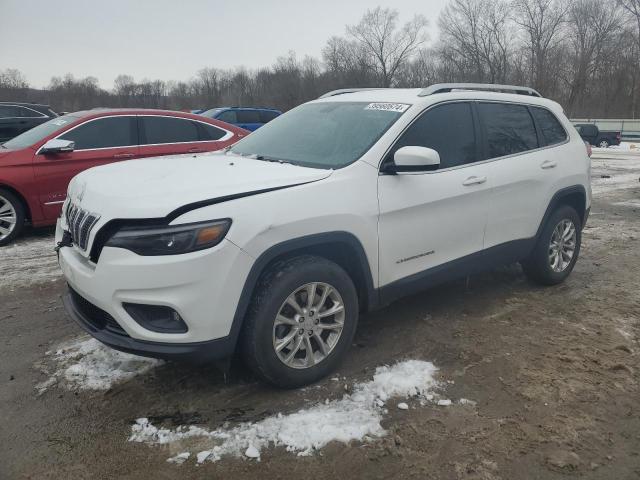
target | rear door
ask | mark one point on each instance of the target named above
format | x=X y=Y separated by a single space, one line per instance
x=97 y=142
x=523 y=167
x=164 y=135
x=428 y=219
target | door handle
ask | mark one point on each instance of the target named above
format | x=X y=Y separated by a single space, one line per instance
x=549 y=164
x=474 y=181
x=195 y=150
x=121 y=156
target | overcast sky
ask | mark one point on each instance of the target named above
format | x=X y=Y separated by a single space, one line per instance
x=172 y=39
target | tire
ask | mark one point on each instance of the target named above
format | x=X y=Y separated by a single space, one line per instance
x=292 y=366
x=604 y=144
x=12 y=216
x=539 y=266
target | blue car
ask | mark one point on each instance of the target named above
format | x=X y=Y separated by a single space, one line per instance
x=247 y=118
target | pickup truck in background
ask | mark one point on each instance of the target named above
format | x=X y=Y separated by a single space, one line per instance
x=596 y=137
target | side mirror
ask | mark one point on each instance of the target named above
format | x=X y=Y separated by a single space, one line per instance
x=57 y=145
x=414 y=159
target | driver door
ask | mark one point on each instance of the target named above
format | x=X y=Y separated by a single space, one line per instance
x=431 y=218
x=97 y=142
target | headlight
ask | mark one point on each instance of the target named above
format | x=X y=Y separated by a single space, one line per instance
x=170 y=240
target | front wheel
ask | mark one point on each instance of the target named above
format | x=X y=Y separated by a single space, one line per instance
x=604 y=144
x=301 y=321
x=11 y=217
x=557 y=248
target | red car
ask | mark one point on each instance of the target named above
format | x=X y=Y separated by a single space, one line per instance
x=36 y=166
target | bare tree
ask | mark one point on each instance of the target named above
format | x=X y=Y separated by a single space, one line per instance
x=475 y=37
x=632 y=8
x=593 y=26
x=384 y=44
x=541 y=22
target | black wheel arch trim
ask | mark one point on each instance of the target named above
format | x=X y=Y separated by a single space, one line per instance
x=290 y=246
x=556 y=200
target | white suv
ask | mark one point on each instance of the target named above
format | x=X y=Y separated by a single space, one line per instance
x=339 y=206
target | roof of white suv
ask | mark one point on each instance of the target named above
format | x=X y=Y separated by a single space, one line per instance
x=412 y=96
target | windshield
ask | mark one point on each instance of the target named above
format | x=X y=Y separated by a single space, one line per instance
x=36 y=134
x=321 y=135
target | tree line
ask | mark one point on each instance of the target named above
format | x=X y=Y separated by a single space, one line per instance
x=584 y=54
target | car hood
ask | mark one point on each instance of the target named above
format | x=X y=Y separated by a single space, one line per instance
x=156 y=187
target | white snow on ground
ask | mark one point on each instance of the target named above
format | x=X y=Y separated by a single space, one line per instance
x=354 y=417
x=86 y=364
x=28 y=261
x=609 y=174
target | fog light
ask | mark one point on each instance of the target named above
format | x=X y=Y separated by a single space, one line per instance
x=156 y=318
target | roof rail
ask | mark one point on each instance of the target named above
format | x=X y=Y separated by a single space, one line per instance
x=333 y=93
x=489 y=87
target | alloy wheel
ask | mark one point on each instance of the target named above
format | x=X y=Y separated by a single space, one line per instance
x=8 y=218
x=562 y=247
x=308 y=325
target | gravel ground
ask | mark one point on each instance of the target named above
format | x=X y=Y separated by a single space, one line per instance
x=544 y=382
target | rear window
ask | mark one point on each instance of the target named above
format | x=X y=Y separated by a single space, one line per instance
x=29 y=113
x=229 y=116
x=159 y=130
x=509 y=129
x=210 y=133
x=550 y=128
x=267 y=115
x=248 y=116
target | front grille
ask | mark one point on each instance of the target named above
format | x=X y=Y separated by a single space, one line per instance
x=95 y=316
x=80 y=223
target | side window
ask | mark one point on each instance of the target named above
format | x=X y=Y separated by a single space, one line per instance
x=104 y=133
x=29 y=113
x=209 y=132
x=549 y=126
x=267 y=115
x=228 y=116
x=159 y=130
x=8 y=111
x=509 y=128
x=248 y=116
x=448 y=129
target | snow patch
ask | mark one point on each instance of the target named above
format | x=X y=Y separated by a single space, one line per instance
x=28 y=261
x=353 y=417
x=86 y=364
x=180 y=458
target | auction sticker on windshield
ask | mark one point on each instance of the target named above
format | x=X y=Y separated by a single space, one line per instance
x=389 y=107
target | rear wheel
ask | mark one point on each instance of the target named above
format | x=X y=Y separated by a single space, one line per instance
x=11 y=217
x=603 y=144
x=301 y=321
x=557 y=248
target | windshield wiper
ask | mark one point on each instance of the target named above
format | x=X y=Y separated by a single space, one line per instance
x=271 y=159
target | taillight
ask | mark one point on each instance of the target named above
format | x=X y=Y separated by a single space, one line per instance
x=589 y=150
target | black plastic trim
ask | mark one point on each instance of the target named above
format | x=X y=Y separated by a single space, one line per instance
x=555 y=201
x=292 y=245
x=196 y=352
x=503 y=254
